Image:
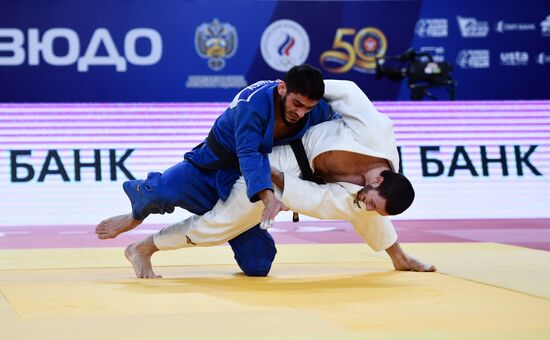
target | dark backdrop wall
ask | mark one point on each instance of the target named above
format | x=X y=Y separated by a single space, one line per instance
x=109 y=51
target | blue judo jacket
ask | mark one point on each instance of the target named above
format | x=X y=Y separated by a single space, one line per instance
x=245 y=133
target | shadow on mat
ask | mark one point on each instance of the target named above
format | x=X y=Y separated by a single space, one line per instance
x=361 y=288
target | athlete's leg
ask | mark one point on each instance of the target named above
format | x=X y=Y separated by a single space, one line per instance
x=182 y=185
x=254 y=251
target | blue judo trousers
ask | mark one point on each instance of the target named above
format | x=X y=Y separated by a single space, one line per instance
x=237 y=145
x=193 y=189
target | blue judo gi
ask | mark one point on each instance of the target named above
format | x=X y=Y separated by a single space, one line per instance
x=238 y=143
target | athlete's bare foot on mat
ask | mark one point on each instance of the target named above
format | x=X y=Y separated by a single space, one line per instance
x=410 y=263
x=113 y=226
x=139 y=254
x=403 y=261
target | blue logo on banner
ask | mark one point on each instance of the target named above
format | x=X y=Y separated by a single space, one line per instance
x=545 y=27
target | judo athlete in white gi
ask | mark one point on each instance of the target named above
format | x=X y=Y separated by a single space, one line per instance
x=359 y=149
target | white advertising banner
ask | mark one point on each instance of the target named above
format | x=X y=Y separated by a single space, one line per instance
x=64 y=164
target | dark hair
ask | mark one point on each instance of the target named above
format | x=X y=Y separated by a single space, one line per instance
x=305 y=80
x=397 y=190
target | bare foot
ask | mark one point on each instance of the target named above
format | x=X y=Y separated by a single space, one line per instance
x=410 y=263
x=113 y=226
x=403 y=261
x=139 y=254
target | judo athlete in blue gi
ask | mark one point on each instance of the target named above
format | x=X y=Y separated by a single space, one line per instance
x=262 y=115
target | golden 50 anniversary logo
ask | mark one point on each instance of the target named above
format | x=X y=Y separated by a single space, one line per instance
x=368 y=44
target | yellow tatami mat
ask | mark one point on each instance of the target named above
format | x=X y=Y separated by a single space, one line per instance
x=314 y=291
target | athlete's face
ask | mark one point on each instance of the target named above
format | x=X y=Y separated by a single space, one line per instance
x=372 y=200
x=296 y=106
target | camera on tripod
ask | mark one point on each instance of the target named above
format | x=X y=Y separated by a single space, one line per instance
x=421 y=71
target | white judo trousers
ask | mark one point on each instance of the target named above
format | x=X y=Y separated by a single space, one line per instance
x=362 y=129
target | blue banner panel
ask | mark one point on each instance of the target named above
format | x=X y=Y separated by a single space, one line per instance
x=155 y=51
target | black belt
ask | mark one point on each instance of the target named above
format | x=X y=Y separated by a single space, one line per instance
x=303 y=163
x=227 y=159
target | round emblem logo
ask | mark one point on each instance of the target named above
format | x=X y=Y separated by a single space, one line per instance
x=284 y=44
x=370 y=43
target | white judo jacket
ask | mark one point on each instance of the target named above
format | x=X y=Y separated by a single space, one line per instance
x=362 y=129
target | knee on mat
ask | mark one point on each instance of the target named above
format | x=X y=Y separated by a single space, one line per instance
x=256 y=268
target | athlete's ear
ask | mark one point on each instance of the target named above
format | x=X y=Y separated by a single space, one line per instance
x=281 y=88
x=377 y=181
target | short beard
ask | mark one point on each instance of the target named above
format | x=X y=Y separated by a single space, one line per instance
x=282 y=109
x=367 y=188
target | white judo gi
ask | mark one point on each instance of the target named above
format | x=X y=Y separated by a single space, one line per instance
x=362 y=129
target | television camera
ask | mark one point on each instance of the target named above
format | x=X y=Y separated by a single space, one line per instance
x=421 y=71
